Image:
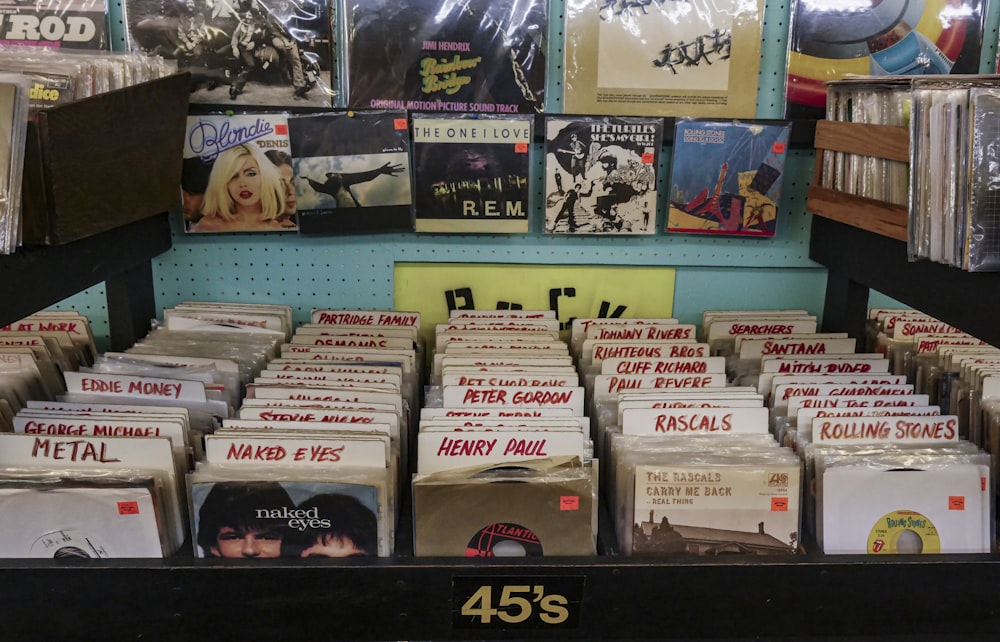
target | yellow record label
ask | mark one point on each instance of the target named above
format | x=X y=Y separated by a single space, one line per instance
x=904 y=532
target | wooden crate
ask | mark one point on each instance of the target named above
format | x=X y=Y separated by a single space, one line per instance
x=879 y=141
x=98 y=163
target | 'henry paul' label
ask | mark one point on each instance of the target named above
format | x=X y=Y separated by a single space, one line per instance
x=437 y=451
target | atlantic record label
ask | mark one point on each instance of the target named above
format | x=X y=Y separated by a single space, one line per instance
x=503 y=539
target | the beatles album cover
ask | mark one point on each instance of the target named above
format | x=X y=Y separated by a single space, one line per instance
x=237 y=174
x=243 y=52
x=471 y=174
x=352 y=172
x=831 y=40
x=726 y=176
x=662 y=58
x=600 y=175
x=69 y=24
x=267 y=519
x=485 y=56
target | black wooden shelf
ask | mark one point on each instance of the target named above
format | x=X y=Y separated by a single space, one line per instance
x=36 y=277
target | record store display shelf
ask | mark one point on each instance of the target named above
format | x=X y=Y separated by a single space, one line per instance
x=402 y=597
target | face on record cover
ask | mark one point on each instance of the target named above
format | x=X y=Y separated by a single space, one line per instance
x=352 y=172
x=241 y=52
x=471 y=174
x=600 y=175
x=237 y=174
x=483 y=56
x=260 y=520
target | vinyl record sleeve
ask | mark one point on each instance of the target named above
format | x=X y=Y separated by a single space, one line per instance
x=69 y=24
x=867 y=510
x=982 y=240
x=241 y=52
x=485 y=56
x=713 y=510
x=700 y=57
x=94 y=523
x=726 y=177
x=601 y=175
x=829 y=41
x=237 y=174
x=262 y=519
x=517 y=515
x=352 y=172
x=472 y=174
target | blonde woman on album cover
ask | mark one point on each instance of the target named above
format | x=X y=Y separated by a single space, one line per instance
x=244 y=194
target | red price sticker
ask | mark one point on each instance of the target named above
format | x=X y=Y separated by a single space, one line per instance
x=128 y=508
x=778 y=148
x=647 y=158
x=956 y=502
x=521 y=148
x=779 y=504
x=399 y=123
x=281 y=130
x=569 y=502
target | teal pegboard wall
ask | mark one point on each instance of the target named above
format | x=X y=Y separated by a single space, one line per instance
x=357 y=271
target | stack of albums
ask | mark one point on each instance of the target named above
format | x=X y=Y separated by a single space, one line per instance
x=312 y=465
x=504 y=457
x=691 y=468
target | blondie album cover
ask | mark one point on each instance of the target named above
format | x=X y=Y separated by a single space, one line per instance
x=726 y=176
x=662 y=58
x=267 y=519
x=352 y=172
x=484 y=56
x=600 y=175
x=70 y=24
x=241 y=52
x=237 y=174
x=830 y=41
x=471 y=174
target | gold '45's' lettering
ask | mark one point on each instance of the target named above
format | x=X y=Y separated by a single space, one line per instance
x=517 y=603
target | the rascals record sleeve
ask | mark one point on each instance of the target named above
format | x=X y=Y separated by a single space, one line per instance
x=445 y=55
x=711 y=510
x=600 y=174
x=726 y=176
x=662 y=58
x=352 y=172
x=243 y=52
x=472 y=174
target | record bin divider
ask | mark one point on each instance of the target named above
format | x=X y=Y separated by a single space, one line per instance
x=104 y=161
x=879 y=141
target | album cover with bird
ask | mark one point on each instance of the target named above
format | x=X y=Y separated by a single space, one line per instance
x=352 y=172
